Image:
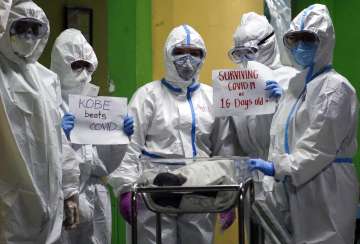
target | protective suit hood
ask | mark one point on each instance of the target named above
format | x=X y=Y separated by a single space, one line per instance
x=5 y=6
x=254 y=28
x=183 y=35
x=69 y=47
x=24 y=9
x=316 y=19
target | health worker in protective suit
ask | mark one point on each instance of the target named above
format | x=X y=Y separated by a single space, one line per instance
x=5 y=6
x=173 y=119
x=74 y=60
x=311 y=150
x=31 y=198
x=254 y=40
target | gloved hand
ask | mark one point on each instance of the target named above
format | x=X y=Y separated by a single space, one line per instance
x=71 y=211
x=274 y=88
x=227 y=219
x=67 y=123
x=128 y=125
x=125 y=206
x=264 y=166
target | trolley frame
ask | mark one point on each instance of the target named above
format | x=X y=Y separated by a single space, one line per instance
x=242 y=189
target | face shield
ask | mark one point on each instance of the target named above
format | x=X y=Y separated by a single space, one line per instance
x=28 y=28
x=248 y=51
x=79 y=65
x=25 y=35
x=303 y=46
x=291 y=39
x=76 y=78
x=80 y=74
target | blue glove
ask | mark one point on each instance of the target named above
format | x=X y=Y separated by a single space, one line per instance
x=128 y=125
x=264 y=166
x=274 y=88
x=67 y=123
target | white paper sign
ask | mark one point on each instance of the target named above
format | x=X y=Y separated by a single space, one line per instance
x=242 y=91
x=99 y=120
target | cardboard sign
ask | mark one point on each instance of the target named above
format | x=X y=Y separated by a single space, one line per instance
x=242 y=91
x=99 y=120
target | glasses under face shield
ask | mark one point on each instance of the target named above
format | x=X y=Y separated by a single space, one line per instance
x=29 y=27
x=248 y=51
x=292 y=38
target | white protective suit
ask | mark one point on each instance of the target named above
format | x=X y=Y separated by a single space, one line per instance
x=311 y=148
x=31 y=199
x=5 y=6
x=171 y=122
x=253 y=131
x=95 y=162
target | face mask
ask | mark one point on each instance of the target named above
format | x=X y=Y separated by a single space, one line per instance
x=186 y=66
x=74 y=82
x=266 y=54
x=76 y=78
x=90 y=90
x=24 y=46
x=75 y=90
x=304 y=53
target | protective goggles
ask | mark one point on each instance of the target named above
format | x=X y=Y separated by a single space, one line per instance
x=80 y=65
x=248 y=51
x=31 y=26
x=291 y=39
x=238 y=54
x=193 y=51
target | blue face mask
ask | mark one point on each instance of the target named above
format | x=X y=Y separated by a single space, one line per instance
x=304 y=53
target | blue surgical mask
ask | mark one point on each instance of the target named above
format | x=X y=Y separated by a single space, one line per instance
x=186 y=66
x=304 y=53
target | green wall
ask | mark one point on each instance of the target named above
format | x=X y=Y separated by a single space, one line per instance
x=346 y=18
x=130 y=46
x=130 y=62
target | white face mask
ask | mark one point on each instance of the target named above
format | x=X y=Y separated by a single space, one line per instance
x=90 y=90
x=73 y=79
x=24 y=47
x=74 y=82
x=266 y=54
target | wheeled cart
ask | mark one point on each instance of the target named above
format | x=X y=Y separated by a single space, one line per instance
x=228 y=180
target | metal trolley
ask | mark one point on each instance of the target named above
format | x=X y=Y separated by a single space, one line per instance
x=241 y=189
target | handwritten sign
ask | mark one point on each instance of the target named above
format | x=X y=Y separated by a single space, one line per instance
x=242 y=91
x=99 y=120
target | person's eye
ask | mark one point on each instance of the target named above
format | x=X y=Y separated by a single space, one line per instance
x=198 y=54
x=195 y=54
